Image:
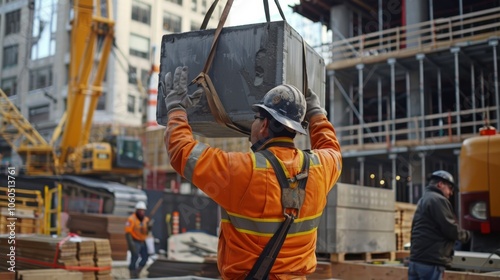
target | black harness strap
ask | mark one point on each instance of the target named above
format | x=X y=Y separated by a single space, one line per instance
x=290 y=199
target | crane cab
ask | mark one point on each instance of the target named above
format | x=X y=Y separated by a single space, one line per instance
x=121 y=155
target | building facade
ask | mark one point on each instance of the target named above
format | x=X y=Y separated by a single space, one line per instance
x=34 y=59
x=408 y=81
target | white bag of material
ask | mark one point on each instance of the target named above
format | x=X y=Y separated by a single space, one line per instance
x=150 y=243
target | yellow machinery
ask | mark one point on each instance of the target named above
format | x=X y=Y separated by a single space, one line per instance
x=480 y=189
x=29 y=212
x=69 y=151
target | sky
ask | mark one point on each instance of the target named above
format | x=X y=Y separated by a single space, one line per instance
x=252 y=11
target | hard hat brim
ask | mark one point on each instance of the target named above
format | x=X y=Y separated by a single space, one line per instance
x=283 y=120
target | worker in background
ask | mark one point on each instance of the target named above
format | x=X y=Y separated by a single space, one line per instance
x=245 y=185
x=434 y=230
x=136 y=231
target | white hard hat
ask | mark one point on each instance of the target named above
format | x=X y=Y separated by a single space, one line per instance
x=140 y=205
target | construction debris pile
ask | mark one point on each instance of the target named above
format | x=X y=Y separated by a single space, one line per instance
x=90 y=256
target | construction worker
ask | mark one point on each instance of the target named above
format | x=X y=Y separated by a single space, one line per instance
x=245 y=185
x=434 y=230
x=136 y=232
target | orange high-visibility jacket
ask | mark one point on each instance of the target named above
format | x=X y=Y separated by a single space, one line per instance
x=245 y=185
x=136 y=228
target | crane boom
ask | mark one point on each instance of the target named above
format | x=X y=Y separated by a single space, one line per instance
x=15 y=126
x=90 y=30
x=25 y=139
x=69 y=151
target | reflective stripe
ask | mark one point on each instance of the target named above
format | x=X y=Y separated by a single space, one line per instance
x=192 y=160
x=260 y=161
x=314 y=159
x=267 y=227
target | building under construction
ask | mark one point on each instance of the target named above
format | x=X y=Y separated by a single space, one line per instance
x=407 y=82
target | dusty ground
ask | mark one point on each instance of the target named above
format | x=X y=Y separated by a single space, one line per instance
x=120 y=271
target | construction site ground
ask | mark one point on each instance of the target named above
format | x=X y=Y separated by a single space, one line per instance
x=120 y=270
x=376 y=269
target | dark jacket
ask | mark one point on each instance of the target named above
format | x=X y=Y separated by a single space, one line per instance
x=435 y=229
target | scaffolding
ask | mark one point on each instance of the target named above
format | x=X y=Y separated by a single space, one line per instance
x=403 y=99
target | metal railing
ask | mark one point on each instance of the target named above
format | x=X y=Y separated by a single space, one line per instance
x=424 y=37
x=27 y=210
x=415 y=131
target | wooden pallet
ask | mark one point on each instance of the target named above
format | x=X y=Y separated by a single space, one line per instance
x=365 y=256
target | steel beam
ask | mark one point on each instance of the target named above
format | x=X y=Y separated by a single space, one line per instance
x=494 y=44
x=361 y=105
x=349 y=101
x=331 y=83
x=456 y=51
x=392 y=62
x=361 y=161
x=420 y=58
x=473 y=94
x=379 y=105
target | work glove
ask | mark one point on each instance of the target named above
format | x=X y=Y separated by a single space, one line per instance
x=176 y=93
x=313 y=106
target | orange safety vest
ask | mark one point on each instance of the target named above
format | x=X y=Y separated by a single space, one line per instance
x=246 y=187
x=136 y=228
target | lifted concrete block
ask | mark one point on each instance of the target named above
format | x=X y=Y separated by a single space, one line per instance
x=249 y=61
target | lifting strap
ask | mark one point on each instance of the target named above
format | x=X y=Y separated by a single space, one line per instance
x=291 y=198
x=214 y=103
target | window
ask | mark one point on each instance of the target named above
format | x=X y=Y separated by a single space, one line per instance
x=141 y=12
x=145 y=78
x=131 y=104
x=179 y=2
x=10 y=54
x=101 y=102
x=195 y=26
x=139 y=46
x=171 y=22
x=40 y=78
x=131 y=149
x=194 y=4
x=132 y=75
x=44 y=29
x=12 y=22
x=203 y=6
x=38 y=113
x=9 y=86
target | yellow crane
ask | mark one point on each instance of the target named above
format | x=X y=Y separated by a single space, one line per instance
x=69 y=150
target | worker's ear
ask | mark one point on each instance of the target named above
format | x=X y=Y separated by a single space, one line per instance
x=264 y=127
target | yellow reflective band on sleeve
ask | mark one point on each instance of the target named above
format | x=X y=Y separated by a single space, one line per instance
x=314 y=159
x=192 y=160
x=267 y=227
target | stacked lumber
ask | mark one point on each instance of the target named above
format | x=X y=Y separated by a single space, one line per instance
x=90 y=257
x=95 y=252
x=52 y=274
x=403 y=218
x=109 y=227
x=7 y=275
x=27 y=220
x=39 y=252
x=85 y=257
